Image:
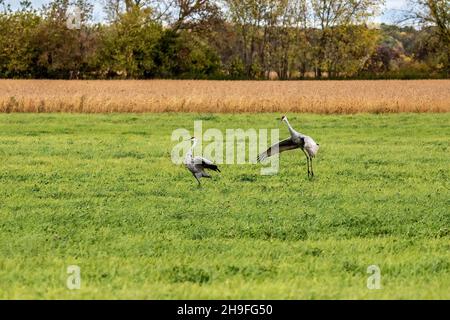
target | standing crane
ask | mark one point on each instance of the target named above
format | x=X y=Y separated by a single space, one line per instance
x=197 y=165
x=297 y=140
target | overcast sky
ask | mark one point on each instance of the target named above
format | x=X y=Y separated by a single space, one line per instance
x=388 y=15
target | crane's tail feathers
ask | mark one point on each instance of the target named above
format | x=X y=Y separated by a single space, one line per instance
x=261 y=157
x=212 y=167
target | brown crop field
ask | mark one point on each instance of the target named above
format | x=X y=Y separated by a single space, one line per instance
x=379 y=96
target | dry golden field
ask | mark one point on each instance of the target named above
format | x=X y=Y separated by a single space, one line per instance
x=225 y=96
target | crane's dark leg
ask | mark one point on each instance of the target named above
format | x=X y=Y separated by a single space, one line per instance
x=312 y=171
x=195 y=176
x=307 y=162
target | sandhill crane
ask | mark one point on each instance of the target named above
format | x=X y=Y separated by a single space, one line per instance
x=297 y=140
x=197 y=165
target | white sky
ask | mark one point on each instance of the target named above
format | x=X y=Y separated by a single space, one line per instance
x=389 y=10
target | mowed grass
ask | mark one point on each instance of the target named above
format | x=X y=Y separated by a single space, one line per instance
x=101 y=192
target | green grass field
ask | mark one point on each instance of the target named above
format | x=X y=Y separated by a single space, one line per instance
x=101 y=192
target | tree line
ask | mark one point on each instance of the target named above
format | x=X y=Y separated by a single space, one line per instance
x=222 y=39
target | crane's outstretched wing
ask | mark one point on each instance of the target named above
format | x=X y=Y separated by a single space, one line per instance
x=205 y=163
x=279 y=147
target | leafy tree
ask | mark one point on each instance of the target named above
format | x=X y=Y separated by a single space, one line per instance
x=245 y=39
x=18 y=53
x=332 y=15
x=184 y=55
x=435 y=13
x=64 y=51
x=127 y=46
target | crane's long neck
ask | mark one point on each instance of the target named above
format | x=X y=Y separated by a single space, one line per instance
x=191 y=150
x=291 y=130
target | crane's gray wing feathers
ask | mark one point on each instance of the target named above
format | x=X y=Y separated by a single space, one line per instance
x=279 y=147
x=205 y=164
x=199 y=159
